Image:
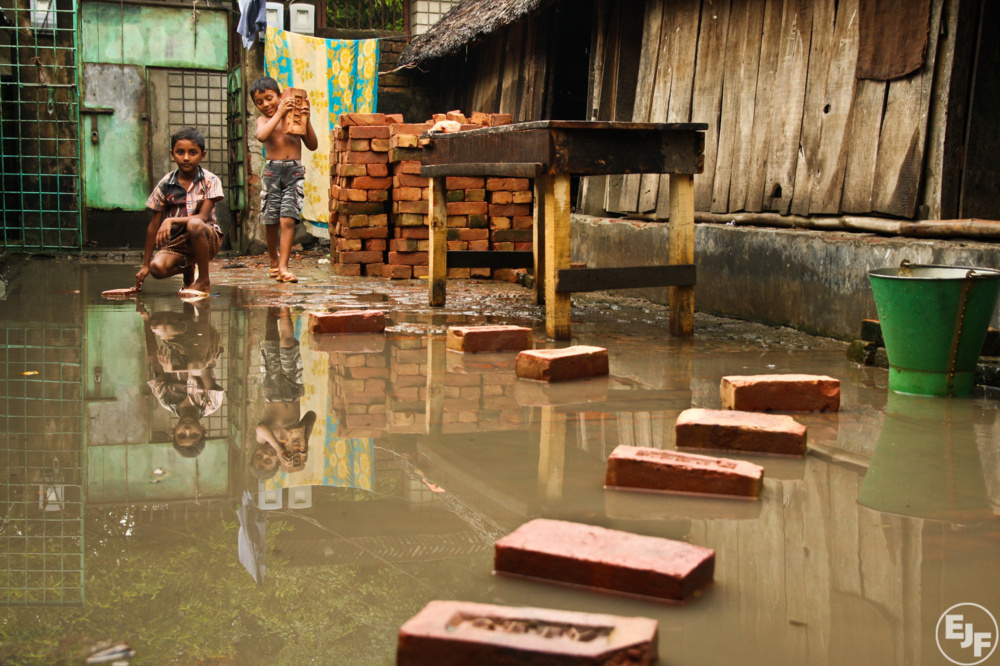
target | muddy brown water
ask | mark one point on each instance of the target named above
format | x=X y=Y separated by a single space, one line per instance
x=107 y=533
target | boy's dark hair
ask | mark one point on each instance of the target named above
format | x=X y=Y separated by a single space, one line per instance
x=188 y=134
x=192 y=451
x=264 y=83
x=263 y=474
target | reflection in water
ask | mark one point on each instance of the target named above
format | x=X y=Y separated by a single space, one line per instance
x=416 y=459
x=927 y=462
x=183 y=349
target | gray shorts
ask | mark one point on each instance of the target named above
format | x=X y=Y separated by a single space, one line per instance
x=281 y=190
x=281 y=372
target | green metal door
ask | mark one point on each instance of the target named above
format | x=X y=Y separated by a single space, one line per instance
x=39 y=121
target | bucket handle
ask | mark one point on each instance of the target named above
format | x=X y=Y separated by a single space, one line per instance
x=904 y=268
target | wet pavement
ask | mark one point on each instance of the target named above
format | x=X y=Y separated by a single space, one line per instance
x=110 y=532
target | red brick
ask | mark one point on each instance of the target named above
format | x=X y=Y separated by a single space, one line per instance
x=467 y=207
x=480 y=246
x=378 y=195
x=489 y=338
x=508 y=184
x=609 y=560
x=501 y=197
x=359 y=343
x=464 y=183
x=421 y=233
x=346 y=270
x=497 y=119
x=523 y=197
x=397 y=272
x=416 y=207
x=523 y=222
x=366 y=232
x=363 y=257
x=781 y=393
x=409 y=180
x=373 y=269
x=368 y=132
x=393 y=118
x=366 y=157
x=406 y=194
x=369 y=183
x=409 y=128
x=461 y=632
x=348 y=119
x=378 y=170
x=404 y=141
x=359 y=145
x=473 y=234
x=410 y=219
x=380 y=145
x=510 y=210
x=728 y=430
x=644 y=468
x=352 y=170
x=376 y=244
x=411 y=167
x=556 y=365
x=408 y=245
x=348 y=245
x=347 y=321
x=460 y=273
x=408 y=258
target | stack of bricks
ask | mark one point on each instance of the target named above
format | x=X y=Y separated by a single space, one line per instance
x=408 y=247
x=510 y=219
x=359 y=193
x=357 y=393
x=405 y=399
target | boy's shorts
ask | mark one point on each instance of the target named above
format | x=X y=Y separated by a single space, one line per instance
x=181 y=243
x=281 y=190
x=281 y=372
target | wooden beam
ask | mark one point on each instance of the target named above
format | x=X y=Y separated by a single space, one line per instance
x=434 y=405
x=557 y=235
x=681 y=251
x=500 y=170
x=551 y=454
x=633 y=277
x=490 y=259
x=438 y=259
x=538 y=241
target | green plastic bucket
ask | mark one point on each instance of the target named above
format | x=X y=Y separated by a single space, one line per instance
x=934 y=320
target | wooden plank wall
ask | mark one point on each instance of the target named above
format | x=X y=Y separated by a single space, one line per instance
x=790 y=128
x=509 y=70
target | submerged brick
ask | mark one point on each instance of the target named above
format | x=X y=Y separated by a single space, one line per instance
x=642 y=468
x=348 y=321
x=750 y=432
x=604 y=559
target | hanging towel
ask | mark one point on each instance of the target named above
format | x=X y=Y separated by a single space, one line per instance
x=341 y=76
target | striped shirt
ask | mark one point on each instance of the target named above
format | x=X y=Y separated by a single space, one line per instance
x=170 y=196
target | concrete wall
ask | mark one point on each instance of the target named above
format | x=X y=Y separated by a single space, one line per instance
x=815 y=281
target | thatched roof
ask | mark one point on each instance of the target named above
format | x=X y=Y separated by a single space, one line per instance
x=467 y=22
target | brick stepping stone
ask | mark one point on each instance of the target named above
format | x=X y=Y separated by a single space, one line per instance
x=643 y=468
x=780 y=393
x=461 y=632
x=557 y=365
x=608 y=560
x=472 y=339
x=749 y=432
x=347 y=321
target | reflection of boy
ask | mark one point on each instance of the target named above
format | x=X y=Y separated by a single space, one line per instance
x=282 y=436
x=183 y=349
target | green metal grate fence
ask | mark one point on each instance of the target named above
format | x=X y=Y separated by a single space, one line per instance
x=41 y=455
x=39 y=121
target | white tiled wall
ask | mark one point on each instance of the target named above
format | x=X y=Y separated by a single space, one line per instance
x=425 y=13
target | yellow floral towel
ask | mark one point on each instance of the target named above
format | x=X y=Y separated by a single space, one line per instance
x=341 y=76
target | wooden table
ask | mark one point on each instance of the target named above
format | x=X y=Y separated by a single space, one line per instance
x=551 y=151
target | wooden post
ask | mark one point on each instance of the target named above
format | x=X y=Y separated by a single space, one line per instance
x=681 y=251
x=557 y=233
x=538 y=238
x=552 y=454
x=438 y=269
x=434 y=405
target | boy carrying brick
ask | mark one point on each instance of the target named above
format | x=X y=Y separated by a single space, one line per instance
x=283 y=174
x=183 y=225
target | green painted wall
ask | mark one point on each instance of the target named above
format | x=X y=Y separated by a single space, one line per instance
x=153 y=36
x=124 y=473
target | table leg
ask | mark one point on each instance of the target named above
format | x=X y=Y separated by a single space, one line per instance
x=681 y=251
x=438 y=260
x=552 y=454
x=434 y=405
x=557 y=233
x=538 y=244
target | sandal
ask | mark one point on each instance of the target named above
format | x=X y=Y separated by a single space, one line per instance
x=273 y=273
x=288 y=277
x=191 y=295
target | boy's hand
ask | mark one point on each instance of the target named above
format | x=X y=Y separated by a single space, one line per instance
x=163 y=235
x=305 y=112
x=285 y=106
x=140 y=277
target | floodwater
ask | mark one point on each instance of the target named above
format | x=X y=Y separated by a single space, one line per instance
x=109 y=534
